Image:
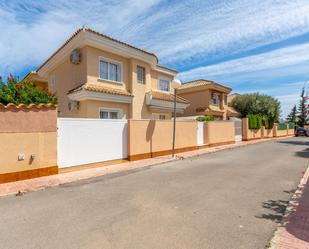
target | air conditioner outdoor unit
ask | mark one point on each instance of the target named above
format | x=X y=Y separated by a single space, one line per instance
x=73 y=105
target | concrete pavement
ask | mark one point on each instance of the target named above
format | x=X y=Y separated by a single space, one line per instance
x=229 y=199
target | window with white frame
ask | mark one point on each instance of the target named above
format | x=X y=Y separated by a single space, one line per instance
x=110 y=114
x=164 y=84
x=140 y=75
x=110 y=70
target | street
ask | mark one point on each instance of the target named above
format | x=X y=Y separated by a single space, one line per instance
x=228 y=199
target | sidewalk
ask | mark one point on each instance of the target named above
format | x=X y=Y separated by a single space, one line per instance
x=294 y=232
x=54 y=180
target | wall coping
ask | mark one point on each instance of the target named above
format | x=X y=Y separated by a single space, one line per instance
x=12 y=106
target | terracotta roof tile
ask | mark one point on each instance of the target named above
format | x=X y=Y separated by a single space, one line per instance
x=101 y=89
x=30 y=106
x=201 y=82
x=232 y=110
x=210 y=108
x=167 y=97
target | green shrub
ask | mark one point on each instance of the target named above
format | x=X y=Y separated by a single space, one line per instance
x=281 y=126
x=268 y=122
x=291 y=125
x=23 y=93
x=205 y=118
x=255 y=121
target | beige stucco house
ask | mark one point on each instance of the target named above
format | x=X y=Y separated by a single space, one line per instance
x=96 y=76
x=206 y=98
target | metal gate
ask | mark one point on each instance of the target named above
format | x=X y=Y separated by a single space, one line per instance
x=84 y=141
x=238 y=128
x=200 y=133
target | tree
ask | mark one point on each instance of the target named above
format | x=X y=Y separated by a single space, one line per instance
x=258 y=104
x=302 y=109
x=292 y=117
x=20 y=92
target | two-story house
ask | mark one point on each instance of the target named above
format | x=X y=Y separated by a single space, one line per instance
x=206 y=98
x=96 y=76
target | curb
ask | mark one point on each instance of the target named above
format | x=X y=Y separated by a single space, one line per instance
x=291 y=208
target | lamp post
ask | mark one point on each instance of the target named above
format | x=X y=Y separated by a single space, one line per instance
x=175 y=85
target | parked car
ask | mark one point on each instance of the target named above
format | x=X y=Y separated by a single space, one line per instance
x=301 y=132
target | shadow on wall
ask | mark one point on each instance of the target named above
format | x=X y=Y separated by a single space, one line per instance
x=303 y=153
x=297 y=223
x=149 y=133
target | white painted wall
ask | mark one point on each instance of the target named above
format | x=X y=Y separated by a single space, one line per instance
x=83 y=141
x=200 y=133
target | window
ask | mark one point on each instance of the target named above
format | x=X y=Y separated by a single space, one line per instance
x=110 y=114
x=110 y=70
x=164 y=85
x=162 y=117
x=141 y=75
x=225 y=99
x=215 y=99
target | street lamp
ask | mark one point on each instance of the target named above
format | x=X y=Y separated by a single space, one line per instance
x=175 y=85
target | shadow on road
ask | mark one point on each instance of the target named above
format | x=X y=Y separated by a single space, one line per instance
x=297 y=221
x=305 y=142
x=303 y=153
x=276 y=208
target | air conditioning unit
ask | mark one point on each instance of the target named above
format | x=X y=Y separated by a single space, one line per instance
x=73 y=105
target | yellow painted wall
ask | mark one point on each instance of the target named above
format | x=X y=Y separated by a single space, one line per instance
x=67 y=76
x=29 y=132
x=216 y=132
x=249 y=134
x=291 y=132
x=90 y=108
x=267 y=133
x=41 y=144
x=93 y=68
x=146 y=136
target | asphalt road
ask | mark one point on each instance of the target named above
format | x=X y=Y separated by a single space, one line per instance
x=229 y=199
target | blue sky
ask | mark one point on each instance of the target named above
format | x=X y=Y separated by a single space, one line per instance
x=249 y=45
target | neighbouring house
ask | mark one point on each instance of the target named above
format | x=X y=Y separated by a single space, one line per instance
x=206 y=98
x=230 y=97
x=96 y=76
x=39 y=81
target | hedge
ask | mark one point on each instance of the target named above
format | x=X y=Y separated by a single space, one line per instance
x=291 y=125
x=281 y=126
x=205 y=118
x=255 y=121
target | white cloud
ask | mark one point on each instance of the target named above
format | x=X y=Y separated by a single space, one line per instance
x=284 y=57
x=181 y=32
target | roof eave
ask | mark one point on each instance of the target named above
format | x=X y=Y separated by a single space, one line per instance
x=84 y=37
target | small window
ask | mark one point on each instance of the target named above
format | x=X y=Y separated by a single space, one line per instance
x=109 y=114
x=215 y=99
x=225 y=99
x=141 y=75
x=162 y=117
x=164 y=85
x=110 y=71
